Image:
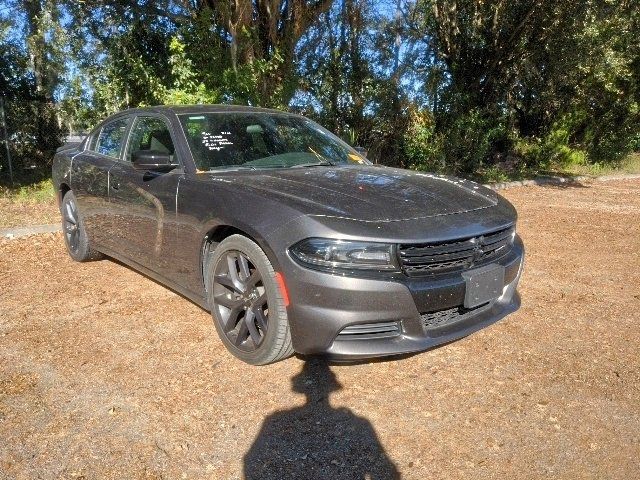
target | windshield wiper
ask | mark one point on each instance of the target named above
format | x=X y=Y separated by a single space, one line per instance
x=230 y=168
x=322 y=160
x=321 y=163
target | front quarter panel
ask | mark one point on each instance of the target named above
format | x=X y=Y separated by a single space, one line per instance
x=61 y=171
x=205 y=203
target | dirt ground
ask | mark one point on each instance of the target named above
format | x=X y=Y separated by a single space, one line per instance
x=20 y=213
x=106 y=374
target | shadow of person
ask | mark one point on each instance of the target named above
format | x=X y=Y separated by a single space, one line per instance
x=317 y=441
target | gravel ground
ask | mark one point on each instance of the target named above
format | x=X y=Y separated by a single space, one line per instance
x=106 y=374
x=18 y=213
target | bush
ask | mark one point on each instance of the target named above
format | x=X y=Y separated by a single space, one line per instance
x=578 y=139
x=422 y=145
x=34 y=136
x=552 y=150
x=464 y=144
x=472 y=139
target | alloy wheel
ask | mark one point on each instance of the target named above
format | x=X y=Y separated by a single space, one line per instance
x=71 y=225
x=240 y=301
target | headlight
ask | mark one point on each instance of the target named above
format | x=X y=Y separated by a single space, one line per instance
x=344 y=254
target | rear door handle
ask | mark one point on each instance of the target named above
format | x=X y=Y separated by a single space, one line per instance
x=115 y=186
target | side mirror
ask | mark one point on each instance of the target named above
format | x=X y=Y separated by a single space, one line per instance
x=362 y=151
x=152 y=160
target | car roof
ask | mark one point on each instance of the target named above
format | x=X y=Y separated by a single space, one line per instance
x=188 y=109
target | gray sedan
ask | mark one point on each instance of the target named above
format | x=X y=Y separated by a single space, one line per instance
x=291 y=238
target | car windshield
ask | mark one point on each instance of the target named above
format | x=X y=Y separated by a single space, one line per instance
x=220 y=141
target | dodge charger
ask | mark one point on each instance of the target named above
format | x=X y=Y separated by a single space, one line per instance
x=291 y=238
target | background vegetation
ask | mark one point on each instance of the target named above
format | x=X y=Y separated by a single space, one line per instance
x=487 y=88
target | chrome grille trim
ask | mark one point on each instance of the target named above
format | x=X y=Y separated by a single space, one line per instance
x=454 y=255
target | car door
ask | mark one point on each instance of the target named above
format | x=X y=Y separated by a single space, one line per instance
x=143 y=202
x=90 y=177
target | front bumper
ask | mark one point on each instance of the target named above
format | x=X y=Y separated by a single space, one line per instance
x=323 y=304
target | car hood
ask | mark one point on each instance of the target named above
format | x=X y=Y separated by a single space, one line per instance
x=368 y=193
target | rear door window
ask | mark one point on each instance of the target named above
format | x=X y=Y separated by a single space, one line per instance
x=111 y=137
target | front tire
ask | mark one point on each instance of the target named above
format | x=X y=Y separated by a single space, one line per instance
x=75 y=235
x=247 y=306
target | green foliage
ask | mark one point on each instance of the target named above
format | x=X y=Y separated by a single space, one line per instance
x=75 y=108
x=244 y=83
x=350 y=83
x=552 y=83
x=34 y=192
x=555 y=148
x=135 y=72
x=467 y=144
x=186 y=88
x=33 y=132
x=423 y=147
x=467 y=87
x=471 y=139
x=495 y=174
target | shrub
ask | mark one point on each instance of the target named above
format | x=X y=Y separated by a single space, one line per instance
x=33 y=134
x=422 y=145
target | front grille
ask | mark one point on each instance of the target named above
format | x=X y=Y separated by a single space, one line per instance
x=450 y=315
x=366 y=331
x=454 y=255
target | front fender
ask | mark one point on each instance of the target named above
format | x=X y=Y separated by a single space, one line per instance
x=204 y=204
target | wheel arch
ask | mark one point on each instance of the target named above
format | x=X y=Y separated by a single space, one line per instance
x=218 y=233
x=63 y=189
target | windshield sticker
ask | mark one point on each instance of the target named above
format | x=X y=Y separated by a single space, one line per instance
x=216 y=142
x=356 y=158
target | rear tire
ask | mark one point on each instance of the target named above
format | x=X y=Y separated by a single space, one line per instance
x=75 y=235
x=246 y=303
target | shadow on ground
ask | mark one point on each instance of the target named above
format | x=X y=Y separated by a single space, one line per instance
x=316 y=440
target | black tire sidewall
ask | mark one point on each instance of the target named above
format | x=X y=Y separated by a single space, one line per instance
x=84 y=251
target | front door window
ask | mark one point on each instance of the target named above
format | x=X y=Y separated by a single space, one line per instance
x=150 y=134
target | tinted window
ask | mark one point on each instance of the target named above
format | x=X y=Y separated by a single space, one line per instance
x=110 y=139
x=262 y=140
x=151 y=134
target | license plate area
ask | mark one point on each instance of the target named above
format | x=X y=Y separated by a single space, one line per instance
x=483 y=284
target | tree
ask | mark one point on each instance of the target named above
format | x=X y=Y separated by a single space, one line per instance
x=352 y=77
x=43 y=34
x=462 y=86
x=249 y=44
x=542 y=80
x=33 y=132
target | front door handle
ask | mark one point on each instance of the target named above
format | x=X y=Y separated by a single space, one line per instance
x=115 y=186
